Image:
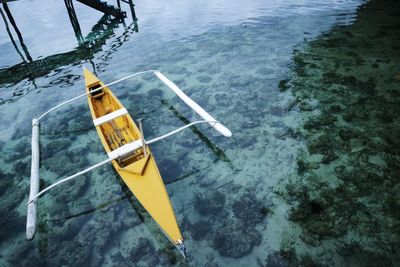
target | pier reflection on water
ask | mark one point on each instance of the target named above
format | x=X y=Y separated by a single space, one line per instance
x=31 y=68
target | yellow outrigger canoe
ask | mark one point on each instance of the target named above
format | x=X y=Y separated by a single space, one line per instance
x=126 y=149
x=138 y=169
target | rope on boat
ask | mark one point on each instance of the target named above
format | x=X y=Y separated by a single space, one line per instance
x=92 y=91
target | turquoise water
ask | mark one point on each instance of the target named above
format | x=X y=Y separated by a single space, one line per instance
x=309 y=90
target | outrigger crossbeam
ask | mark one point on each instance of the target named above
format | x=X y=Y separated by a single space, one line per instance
x=113 y=155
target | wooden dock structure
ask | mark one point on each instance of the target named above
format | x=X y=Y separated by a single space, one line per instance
x=104 y=7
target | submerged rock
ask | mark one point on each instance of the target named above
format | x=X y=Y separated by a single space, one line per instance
x=335 y=108
x=346 y=134
x=155 y=93
x=310 y=239
x=329 y=156
x=208 y=204
x=283 y=85
x=210 y=68
x=222 y=99
x=304 y=166
x=72 y=254
x=320 y=145
x=323 y=120
x=238 y=82
x=321 y=228
x=200 y=229
x=54 y=147
x=279 y=259
x=22 y=167
x=11 y=223
x=204 y=78
x=143 y=248
x=249 y=210
x=169 y=169
x=6 y=182
x=244 y=142
x=277 y=111
x=236 y=244
x=387 y=116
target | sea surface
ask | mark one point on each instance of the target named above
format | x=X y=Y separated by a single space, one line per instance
x=309 y=88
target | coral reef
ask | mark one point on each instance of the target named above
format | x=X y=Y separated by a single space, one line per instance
x=346 y=197
x=233 y=232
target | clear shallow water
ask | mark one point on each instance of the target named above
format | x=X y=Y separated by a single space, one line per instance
x=236 y=199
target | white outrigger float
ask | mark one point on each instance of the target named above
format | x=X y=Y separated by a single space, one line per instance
x=127 y=150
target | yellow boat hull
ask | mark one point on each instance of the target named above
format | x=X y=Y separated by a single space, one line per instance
x=138 y=171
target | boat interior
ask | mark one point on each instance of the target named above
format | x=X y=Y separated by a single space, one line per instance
x=118 y=131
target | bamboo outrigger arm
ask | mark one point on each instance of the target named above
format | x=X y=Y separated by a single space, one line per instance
x=193 y=105
x=115 y=154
